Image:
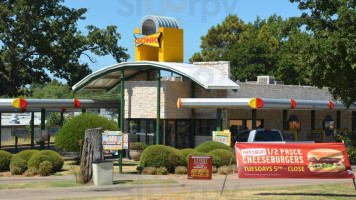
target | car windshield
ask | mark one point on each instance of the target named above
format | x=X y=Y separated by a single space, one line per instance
x=267 y=135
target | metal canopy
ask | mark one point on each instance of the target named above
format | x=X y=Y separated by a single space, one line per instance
x=109 y=77
x=261 y=103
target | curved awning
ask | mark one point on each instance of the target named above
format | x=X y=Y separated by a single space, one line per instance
x=109 y=77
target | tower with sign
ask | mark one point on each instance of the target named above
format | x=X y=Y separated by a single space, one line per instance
x=159 y=39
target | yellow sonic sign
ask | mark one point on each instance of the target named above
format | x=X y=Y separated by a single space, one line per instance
x=149 y=40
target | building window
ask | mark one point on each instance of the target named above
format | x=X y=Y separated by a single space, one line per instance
x=205 y=127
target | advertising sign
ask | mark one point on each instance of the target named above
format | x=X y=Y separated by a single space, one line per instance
x=200 y=167
x=317 y=135
x=21 y=131
x=222 y=136
x=149 y=40
x=52 y=130
x=293 y=160
x=290 y=135
x=125 y=141
x=112 y=140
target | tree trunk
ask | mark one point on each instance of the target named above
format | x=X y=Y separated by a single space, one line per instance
x=92 y=152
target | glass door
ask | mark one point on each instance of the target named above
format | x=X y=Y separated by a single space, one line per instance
x=183 y=134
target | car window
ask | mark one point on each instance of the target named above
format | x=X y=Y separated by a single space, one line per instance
x=243 y=137
x=268 y=136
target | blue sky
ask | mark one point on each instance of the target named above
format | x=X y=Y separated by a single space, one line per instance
x=194 y=16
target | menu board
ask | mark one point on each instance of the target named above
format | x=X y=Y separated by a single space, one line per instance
x=200 y=167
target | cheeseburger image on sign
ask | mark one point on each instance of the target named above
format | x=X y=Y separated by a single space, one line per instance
x=326 y=160
x=200 y=173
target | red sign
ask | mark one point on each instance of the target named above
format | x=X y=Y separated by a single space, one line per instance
x=293 y=160
x=200 y=167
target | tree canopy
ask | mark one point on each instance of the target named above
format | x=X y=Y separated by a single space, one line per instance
x=317 y=48
x=39 y=38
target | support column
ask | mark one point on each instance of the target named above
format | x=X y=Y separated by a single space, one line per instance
x=32 y=130
x=43 y=126
x=158 y=104
x=62 y=118
x=218 y=119
x=122 y=100
x=192 y=125
x=254 y=115
x=0 y=131
x=285 y=125
x=312 y=118
x=338 y=119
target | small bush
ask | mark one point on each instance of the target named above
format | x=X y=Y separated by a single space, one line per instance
x=45 y=168
x=26 y=155
x=49 y=155
x=161 y=171
x=216 y=160
x=187 y=151
x=224 y=156
x=30 y=172
x=18 y=166
x=70 y=137
x=138 y=146
x=149 y=170
x=16 y=170
x=5 y=159
x=161 y=156
x=181 y=170
x=211 y=145
x=234 y=168
x=223 y=170
x=214 y=170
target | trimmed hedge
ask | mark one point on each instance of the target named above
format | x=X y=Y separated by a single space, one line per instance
x=212 y=145
x=216 y=160
x=46 y=155
x=5 y=159
x=161 y=156
x=224 y=155
x=26 y=155
x=70 y=137
x=18 y=166
x=45 y=168
x=187 y=151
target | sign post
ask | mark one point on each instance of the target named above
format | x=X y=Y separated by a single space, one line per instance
x=113 y=140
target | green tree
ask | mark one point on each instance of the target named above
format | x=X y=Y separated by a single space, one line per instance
x=38 y=38
x=51 y=90
x=257 y=55
x=332 y=50
x=221 y=38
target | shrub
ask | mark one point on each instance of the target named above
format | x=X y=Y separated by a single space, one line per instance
x=223 y=170
x=16 y=170
x=234 y=168
x=30 y=172
x=5 y=158
x=214 y=170
x=187 y=151
x=18 y=166
x=211 y=145
x=181 y=170
x=224 y=156
x=26 y=155
x=49 y=155
x=149 y=170
x=349 y=137
x=161 y=171
x=138 y=146
x=161 y=156
x=216 y=160
x=45 y=168
x=70 y=137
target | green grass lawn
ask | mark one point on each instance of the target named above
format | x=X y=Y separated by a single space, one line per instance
x=51 y=184
x=305 y=192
